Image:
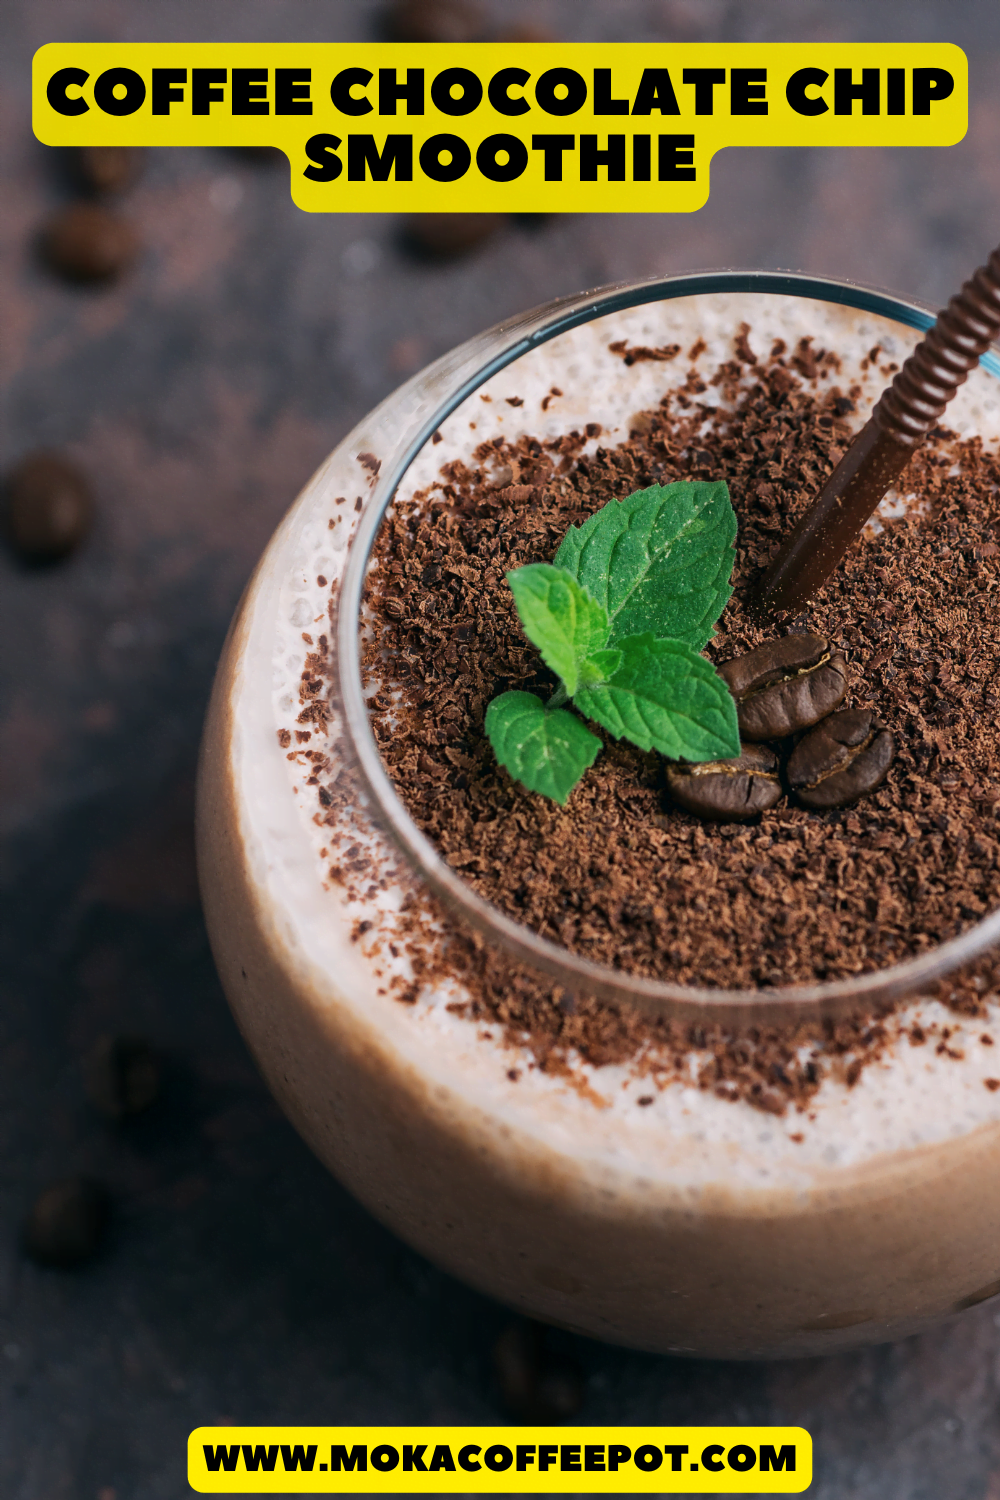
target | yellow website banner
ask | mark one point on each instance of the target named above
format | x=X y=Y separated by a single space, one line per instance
x=500 y=127
x=499 y=1460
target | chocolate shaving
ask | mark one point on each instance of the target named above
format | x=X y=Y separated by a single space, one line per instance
x=619 y=875
x=639 y=352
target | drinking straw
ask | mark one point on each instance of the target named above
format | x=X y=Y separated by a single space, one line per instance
x=904 y=414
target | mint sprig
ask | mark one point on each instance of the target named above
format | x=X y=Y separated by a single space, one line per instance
x=620 y=617
x=659 y=560
x=560 y=618
x=546 y=749
x=665 y=697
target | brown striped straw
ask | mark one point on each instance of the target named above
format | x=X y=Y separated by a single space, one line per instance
x=904 y=414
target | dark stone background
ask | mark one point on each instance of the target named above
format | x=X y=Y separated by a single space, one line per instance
x=240 y=1283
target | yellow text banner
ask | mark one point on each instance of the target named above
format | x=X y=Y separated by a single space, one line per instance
x=500 y=127
x=499 y=1460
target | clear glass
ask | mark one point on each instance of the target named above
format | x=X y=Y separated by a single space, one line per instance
x=418 y=410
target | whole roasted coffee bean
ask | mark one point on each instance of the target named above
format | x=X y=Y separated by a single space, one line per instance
x=109 y=169
x=845 y=757
x=86 y=242
x=122 y=1076
x=536 y=1387
x=440 y=236
x=728 y=791
x=785 y=686
x=48 y=507
x=433 y=21
x=67 y=1223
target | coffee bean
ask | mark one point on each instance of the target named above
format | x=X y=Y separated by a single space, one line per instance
x=109 y=169
x=845 y=757
x=441 y=236
x=536 y=1387
x=433 y=21
x=66 y=1223
x=87 y=243
x=785 y=686
x=728 y=791
x=49 y=508
x=121 y=1076
x=263 y=156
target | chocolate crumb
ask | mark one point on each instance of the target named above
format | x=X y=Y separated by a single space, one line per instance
x=640 y=352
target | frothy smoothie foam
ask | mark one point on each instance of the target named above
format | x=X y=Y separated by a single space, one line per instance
x=622 y=1200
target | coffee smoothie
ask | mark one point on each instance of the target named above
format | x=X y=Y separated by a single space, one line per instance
x=759 y=1184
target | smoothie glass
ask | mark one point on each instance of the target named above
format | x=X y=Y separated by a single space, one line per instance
x=698 y=1226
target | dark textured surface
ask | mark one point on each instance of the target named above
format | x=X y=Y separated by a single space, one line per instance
x=239 y=1282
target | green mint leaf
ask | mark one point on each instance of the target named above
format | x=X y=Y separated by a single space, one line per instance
x=666 y=697
x=599 y=667
x=547 y=750
x=658 y=561
x=559 y=617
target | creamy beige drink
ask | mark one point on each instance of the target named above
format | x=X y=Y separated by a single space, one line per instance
x=624 y=1201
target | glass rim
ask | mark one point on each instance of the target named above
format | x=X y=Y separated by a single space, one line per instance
x=572 y=971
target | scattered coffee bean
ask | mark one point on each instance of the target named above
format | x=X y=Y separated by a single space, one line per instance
x=433 y=21
x=840 y=760
x=531 y=221
x=440 y=236
x=262 y=156
x=524 y=31
x=785 y=686
x=122 y=1076
x=67 y=1223
x=86 y=242
x=728 y=791
x=48 y=507
x=536 y=1387
x=109 y=169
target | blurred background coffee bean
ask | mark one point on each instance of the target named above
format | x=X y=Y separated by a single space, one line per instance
x=109 y=169
x=524 y=31
x=67 y=1223
x=86 y=242
x=122 y=1076
x=536 y=1385
x=445 y=236
x=260 y=156
x=48 y=507
x=433 y=21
